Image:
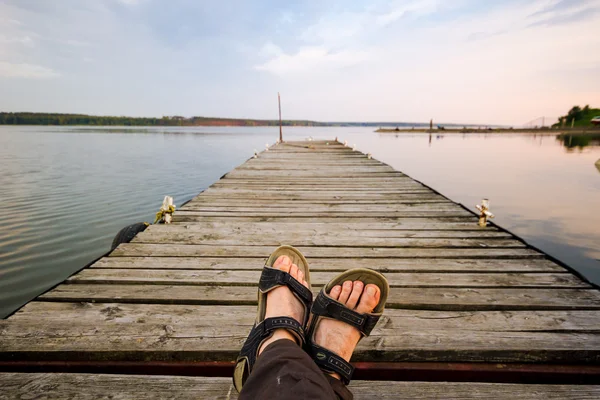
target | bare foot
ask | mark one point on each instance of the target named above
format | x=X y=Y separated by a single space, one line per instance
x=337 y=336
x=282 y=303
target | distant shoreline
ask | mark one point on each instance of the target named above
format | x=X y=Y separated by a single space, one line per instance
x=536 y=131
x=59 y=119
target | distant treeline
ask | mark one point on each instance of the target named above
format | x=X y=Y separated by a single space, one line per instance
x=27 y=118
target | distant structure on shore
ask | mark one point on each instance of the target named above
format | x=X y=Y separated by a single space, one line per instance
x=578 y=117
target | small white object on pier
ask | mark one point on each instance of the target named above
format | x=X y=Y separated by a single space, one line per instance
x=346 y=143
x=484 y=210
x=267 y=147
x=166 y=210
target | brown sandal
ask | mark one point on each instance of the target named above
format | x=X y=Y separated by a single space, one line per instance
x=326 y=307
x=263 y=329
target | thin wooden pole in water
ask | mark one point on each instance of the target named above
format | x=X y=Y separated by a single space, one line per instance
x=280 y=130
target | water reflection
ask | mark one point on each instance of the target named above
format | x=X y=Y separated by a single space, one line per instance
x=540 y=190
x=572 y=142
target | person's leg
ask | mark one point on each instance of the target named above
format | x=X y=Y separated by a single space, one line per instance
x=283 y=370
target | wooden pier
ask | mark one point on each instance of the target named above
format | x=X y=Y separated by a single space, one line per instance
x=472 y=312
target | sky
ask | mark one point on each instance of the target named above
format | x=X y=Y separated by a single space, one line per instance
x=456 y=61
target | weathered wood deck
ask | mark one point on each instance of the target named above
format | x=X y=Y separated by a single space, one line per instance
x=466 y=303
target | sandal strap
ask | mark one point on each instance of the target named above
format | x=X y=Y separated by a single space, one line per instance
x=273 y=277
x=264 y=330
x=327 y=307
x=331 y=362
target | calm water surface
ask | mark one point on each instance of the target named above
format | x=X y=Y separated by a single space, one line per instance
x=67 y=191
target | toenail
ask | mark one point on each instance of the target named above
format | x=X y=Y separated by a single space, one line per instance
x=358 y=284
x=285 y=260
x=371 y=291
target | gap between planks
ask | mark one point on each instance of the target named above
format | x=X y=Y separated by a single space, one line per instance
x=121 y=387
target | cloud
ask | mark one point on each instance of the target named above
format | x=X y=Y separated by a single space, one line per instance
x=559 y=6
x=406 y=8
x=28 y=71
x=561 y=19
x=485 y=35
x=130 y=2
x=311 y=59
x=24 y=40
x=76 y=43
x=338 y=38
x=564 y=12
x=336 y=28
x=271 y=50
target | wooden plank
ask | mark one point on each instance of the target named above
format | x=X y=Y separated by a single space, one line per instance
x=177 y=314
x=332 y=208
x=245 y=238
x=333 y=169
x=198 y=250
x=325 y=180
x=395 y=279
x=355 y=214
x=141 y=341
x=331 y=264
x=462 y=222
x=326 y=189
x=283 y=202
x=265 y=201
x=467 y=221
x=310 y=186
x=244 y=174
x=320 y=150
x=306 y=156
x=316 y=195
x=301 y=164
x=447 y=299
x=125 y=387
x=250 y=206
x=333 y=184
x=298 y=231
x=400 y=228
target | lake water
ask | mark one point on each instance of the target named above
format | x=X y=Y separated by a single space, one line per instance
x=66 y=191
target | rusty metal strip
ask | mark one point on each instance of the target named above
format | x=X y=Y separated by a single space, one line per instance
x=383 y=371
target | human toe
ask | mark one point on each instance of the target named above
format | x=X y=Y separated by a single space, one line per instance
x=294 y=271
x=369 y=299
x=335 y=292
x=283 y=263
x=346 y=290
x=357 y=290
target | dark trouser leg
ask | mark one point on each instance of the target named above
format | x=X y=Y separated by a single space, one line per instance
x=285 y=371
